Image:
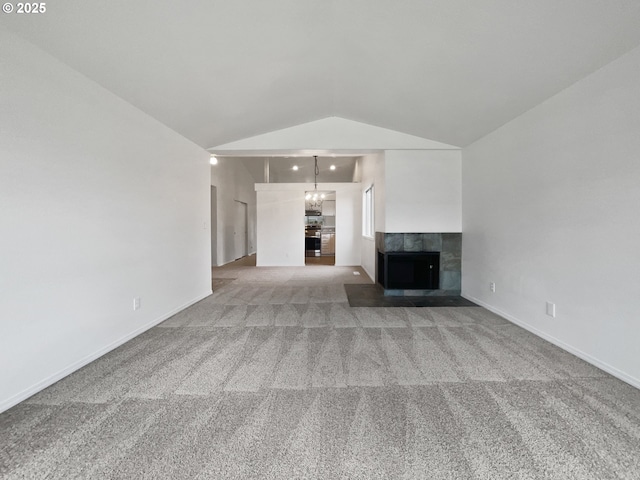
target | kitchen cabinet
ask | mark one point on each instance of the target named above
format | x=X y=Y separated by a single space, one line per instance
x=328 y=244
x=329 y=208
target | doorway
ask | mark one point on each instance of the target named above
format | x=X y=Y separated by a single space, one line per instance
x=214 y=226
x=320 y=228
x=240 y=230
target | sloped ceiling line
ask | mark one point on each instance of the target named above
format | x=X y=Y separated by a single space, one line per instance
x=447 y=70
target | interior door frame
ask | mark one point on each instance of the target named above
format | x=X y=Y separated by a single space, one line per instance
x=214 y=226
x=244 y=242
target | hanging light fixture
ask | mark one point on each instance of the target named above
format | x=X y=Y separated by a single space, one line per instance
x=315 y=198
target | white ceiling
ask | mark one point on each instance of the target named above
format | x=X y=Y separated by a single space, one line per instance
x=448 y=70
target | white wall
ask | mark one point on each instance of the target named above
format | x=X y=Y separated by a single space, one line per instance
x=99 y=204
x=423 y=191
x=281 y=223
x=348 y=223
x=331 y=133
x=372 y=172
x=280 y=226
x=550 y=213
x=233 y=182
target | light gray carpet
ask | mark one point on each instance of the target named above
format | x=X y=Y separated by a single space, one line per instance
x=275 y=376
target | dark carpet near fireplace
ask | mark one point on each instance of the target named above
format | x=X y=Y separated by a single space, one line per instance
x=373 y=296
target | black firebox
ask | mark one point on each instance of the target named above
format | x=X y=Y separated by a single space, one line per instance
x=409 y=270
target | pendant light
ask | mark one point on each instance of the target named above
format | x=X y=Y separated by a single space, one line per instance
x=315 y=199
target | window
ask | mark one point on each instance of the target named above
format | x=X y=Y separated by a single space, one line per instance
x=367 y=213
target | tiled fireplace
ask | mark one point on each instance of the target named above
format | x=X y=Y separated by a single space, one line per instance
x=420 y=247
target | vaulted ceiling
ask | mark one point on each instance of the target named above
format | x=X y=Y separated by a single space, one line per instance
x=448 y=70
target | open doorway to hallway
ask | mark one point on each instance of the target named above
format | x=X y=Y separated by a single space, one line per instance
x=320 y=228
x=240 y=230
x=214 y=226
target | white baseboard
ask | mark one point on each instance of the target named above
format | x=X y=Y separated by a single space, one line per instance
x=235 y=260
x=41 y=385
x=635 y=382
x=368 y=273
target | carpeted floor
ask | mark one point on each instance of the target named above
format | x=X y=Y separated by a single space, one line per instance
x=275 y=376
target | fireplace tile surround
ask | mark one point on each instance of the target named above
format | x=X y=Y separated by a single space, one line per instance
x=448 y=244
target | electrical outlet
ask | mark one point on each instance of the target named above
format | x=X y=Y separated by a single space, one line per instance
x=551 y=309
x=136 y=303
x=492 y=287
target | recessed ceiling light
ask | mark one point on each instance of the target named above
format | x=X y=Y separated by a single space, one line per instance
x=213 y=160
x=295 y=168
x=332 y=167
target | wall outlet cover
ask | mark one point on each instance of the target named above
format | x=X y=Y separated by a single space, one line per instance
x=551 y=309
